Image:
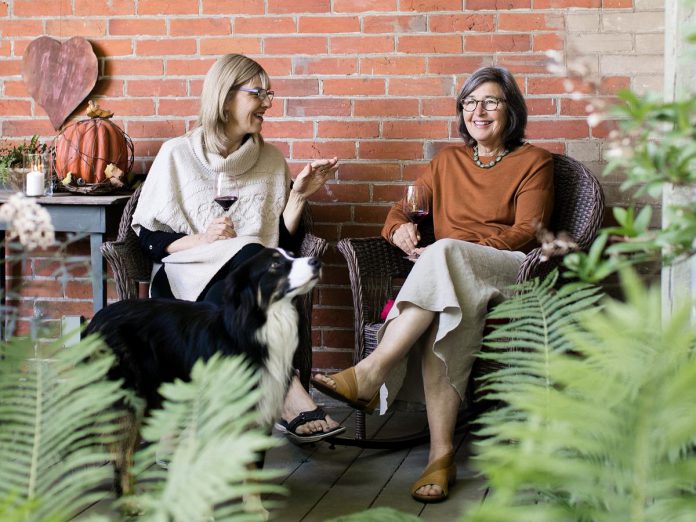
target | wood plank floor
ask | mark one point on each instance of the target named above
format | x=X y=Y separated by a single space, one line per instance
x=326 y=481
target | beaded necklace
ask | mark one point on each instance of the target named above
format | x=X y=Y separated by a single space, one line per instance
x=488 y=165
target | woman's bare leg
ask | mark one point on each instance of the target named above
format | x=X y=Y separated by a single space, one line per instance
x=399 y=336
x=442 y=404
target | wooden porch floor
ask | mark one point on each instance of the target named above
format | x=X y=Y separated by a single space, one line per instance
x=326 y=481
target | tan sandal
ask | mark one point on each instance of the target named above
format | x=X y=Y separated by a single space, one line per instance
x=441 y=472
x=346 y=390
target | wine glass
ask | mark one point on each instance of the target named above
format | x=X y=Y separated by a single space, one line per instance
x=416 y=205
x=226 y=190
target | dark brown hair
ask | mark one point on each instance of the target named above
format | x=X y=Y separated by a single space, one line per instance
x=516 y=108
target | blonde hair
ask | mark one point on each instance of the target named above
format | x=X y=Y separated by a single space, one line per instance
x=228 y=73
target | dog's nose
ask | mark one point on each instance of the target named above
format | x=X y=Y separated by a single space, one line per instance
x=315 y=262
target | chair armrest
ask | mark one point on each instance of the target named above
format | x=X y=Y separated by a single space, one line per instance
x=373 y=264
x=532 y=266
x=129 y=266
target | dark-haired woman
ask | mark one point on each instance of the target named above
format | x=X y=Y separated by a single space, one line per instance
x=487 y=196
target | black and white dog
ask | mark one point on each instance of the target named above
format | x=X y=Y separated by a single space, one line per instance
x=159 y=340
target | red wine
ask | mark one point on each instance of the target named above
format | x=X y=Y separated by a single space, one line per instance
x=418 y=216
x=226 y=201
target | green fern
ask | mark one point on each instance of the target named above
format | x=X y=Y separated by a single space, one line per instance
x=609 y=434
x=207 y=427
x=55 y=406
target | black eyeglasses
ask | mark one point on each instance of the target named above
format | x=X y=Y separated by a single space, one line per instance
x=489 y=104
x=261 y=94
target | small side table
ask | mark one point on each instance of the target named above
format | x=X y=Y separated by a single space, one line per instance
x=97 y=216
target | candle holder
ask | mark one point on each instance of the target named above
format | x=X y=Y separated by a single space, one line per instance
x=37 y=174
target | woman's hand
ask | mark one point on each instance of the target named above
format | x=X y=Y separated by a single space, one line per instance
x=313 y=176
x=219 y=228
x=406 y=237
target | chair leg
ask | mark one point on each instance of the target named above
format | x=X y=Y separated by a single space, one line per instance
x=360 y=425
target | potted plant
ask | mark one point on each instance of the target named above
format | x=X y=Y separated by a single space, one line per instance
x=11 y=162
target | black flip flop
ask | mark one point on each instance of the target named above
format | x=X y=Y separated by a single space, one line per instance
x=288 y=428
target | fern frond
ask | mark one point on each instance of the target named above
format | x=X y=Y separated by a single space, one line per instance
x=55 y=405
x=208 y=427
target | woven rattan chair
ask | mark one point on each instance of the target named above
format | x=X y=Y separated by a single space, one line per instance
x=131 y=269
x=376 y=268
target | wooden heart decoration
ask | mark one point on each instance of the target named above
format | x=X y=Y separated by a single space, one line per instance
x=59 y=75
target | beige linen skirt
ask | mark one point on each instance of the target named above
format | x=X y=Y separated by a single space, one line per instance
x=460 y=280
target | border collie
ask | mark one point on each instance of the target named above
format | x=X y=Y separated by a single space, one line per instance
x=159 y=340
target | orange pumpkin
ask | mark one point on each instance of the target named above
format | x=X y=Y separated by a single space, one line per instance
x=86 y=147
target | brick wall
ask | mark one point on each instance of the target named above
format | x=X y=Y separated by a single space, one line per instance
x=370 y=81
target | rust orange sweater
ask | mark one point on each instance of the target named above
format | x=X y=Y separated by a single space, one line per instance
x=498 y=207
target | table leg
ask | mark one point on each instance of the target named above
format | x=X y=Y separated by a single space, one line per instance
x=98 y=279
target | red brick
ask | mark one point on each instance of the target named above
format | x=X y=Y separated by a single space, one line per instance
x=226 y=45
x=265 y=25
x=103 y=7
x=318 y=107
x=551 y=85
x=328 y=362
x=574 y=107
x=438 y=86
x=131 y=107
x=159 y=87
x=394 y=24
x=361 y=44
x=308 y=65
x=283 y=146
x=15 y=88
x=613 y=84
x=352 y=129
x=299 y=6
x=547 y=41
x=398 y=150
x=403 y=65
x=354 y=86
x=189 y=67
x=361 y=230
x=147 y=148
x=369 y=172
x=155 y=129
x=529 y=22
x=28 y=127
x=413 y=171
x=331 y=213
x=439 y=107
x=541 y=106
x=328 y=316
x=275 y=66
x=295 y=87
x=497 y=43
x=556 y=147
x=390 y=107
x=524 y=63
x=112 y=47
x=91 y=27
x=456 y=23
x=178 y=107
x=613 y=4
x=133 y=67
x=371 y=214
x=288 y=128
x=456 y=64
x=303 y=150
x=498 y=5
x=78 y=289
x=430 y=5
x=199 y=26
x=387 y=193
x=166 y=47
x=296 y=45
x=329 y=24
x=15 y=107
x=567 y=4
x=346 y=193
x=230 y=7
x=137 y=26
x=39 y=288
x=569 y=129
x=335 y=296
x=602 y=130
x=58 y=310
x=28 y=8
x=426 y=44
x=414 y=129
x=360 y=6
x=14 y=28
x=167 y=7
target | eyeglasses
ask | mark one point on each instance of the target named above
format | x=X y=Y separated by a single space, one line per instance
x=489 y=104
x=261 y=94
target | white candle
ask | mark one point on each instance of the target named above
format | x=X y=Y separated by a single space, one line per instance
x=35 y=183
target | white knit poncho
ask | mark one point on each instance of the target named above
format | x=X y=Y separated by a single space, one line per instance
x=178 y=193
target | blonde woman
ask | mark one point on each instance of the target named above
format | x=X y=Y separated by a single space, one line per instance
x=193 y=241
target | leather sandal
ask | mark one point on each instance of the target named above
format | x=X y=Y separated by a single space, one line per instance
x=441 y=472
x=346 y=390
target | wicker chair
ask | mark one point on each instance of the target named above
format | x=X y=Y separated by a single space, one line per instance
x=132 y=268
x=375 y=267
